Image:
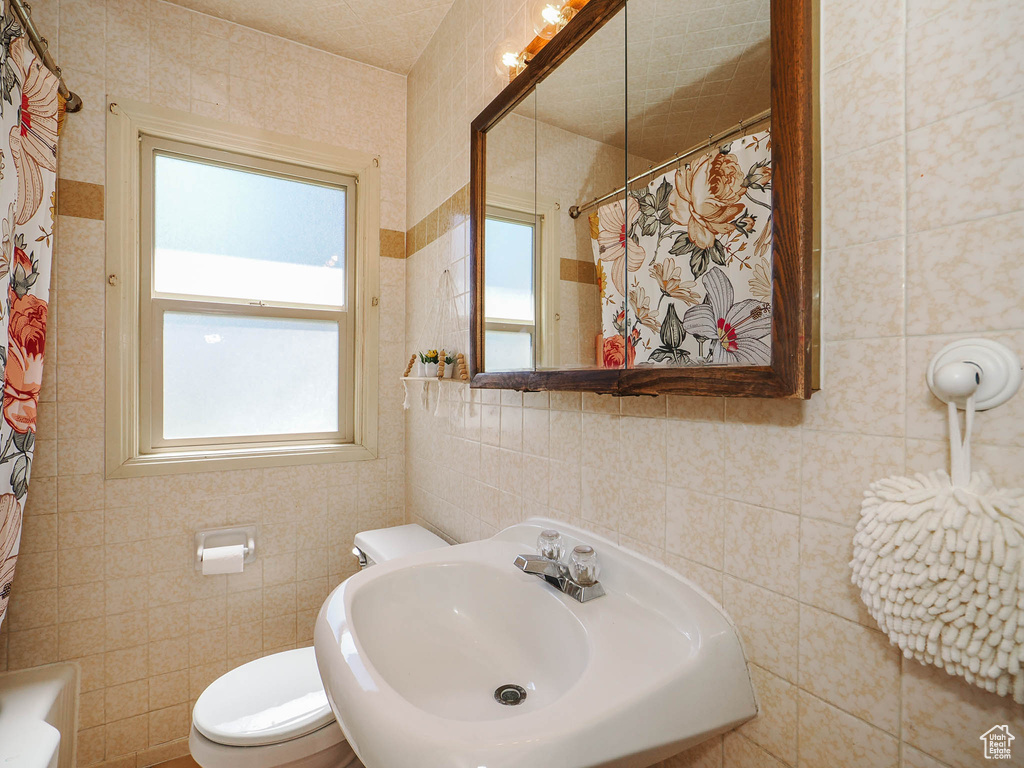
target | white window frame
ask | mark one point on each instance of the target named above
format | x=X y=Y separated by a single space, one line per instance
x=133 y=408
x=508 y=325
x=547 y=265
x=153 y=304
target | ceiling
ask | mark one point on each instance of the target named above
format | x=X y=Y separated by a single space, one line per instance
x=390 y=34
x=692 y=70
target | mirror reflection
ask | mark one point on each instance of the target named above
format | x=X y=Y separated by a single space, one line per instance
x=514 y=280
x=629 y=198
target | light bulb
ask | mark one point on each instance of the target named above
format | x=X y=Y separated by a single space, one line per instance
x=548 y=16
x=507 y=59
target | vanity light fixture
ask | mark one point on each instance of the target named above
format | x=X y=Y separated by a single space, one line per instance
x=548 y=18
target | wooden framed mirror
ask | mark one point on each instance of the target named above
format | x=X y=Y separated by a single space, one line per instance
x=642 y=205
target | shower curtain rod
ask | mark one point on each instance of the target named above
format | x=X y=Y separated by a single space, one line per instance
x=72 y=102
x=576 y=210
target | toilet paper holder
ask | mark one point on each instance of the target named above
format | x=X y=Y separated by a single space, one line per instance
x=225 y=537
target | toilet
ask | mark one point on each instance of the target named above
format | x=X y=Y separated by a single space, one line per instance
x=273 y=712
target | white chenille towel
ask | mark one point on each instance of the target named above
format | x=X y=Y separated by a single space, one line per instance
x=938 y=560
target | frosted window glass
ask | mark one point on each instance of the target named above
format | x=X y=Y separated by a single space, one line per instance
x=236 y=376
x=508 y=350
x=508 y=292
x=243 y=235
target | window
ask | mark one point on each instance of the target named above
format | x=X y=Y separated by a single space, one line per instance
x=510 y=295
x=243 y=336
x=244 y=299
x=521 y=284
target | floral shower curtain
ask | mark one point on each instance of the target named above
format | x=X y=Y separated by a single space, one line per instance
x=30 y=112
x=710 y=220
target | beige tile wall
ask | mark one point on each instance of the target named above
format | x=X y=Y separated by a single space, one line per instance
x=756 y=501
x=105 y=577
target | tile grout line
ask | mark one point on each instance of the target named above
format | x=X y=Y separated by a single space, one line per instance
x=960 y=222
x=906 y=314
x=958 y=113
x=799 y=586
x=858 y=718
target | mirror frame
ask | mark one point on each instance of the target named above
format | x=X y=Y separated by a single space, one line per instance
x=792 y=373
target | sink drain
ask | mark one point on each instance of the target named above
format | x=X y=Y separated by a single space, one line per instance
x=509 y=695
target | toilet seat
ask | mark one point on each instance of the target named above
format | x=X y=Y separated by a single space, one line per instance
x=325 y=748
x=270 y=713
x=270 y=700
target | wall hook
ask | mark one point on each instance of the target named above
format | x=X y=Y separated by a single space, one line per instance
x=986 y=369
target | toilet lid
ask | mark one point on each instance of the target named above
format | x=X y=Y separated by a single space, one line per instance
x=277 y=698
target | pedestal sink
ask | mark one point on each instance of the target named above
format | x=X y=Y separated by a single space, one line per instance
x=454 y=658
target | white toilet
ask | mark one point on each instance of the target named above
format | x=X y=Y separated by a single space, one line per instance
x=273 y=712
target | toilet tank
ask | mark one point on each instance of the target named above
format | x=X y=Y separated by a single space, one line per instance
x=385 y=544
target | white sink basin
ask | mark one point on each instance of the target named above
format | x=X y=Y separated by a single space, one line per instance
x=412 y=651
x=433 y=634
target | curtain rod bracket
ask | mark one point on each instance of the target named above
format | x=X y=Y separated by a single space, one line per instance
x=72 y=101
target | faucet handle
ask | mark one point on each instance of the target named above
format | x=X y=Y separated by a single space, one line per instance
x=550 y=545
x=583 y=566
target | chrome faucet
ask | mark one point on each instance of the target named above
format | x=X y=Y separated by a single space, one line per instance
x=578 y=579
x=550 y=570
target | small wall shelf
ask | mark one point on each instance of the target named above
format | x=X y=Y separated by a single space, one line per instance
x=455 y=397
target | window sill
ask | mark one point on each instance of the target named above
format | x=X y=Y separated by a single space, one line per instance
x=249 y=458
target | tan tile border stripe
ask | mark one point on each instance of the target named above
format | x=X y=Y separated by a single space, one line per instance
x=448 y=215
x=392 y=244
x=455 y=211
x=577 y=271
x=80 y=199
x=587 y=272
